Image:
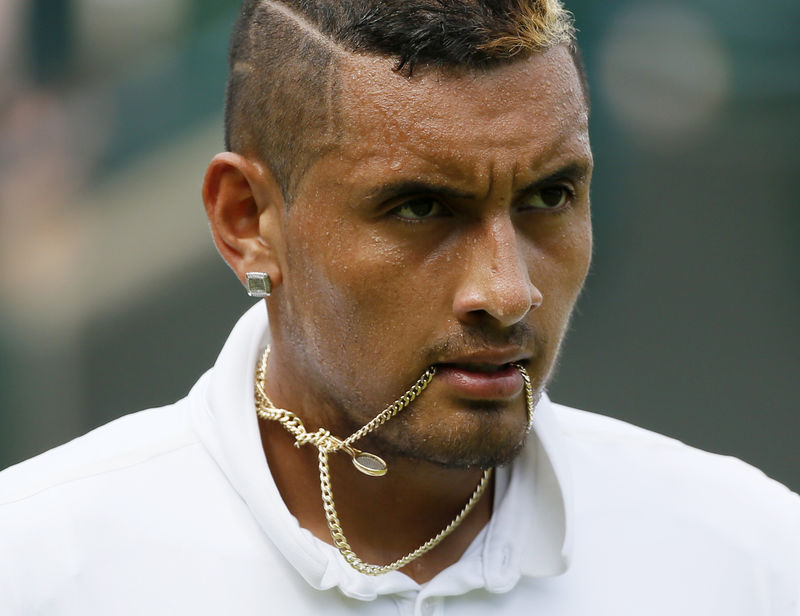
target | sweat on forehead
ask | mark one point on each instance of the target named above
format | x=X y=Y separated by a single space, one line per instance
x=284 y=56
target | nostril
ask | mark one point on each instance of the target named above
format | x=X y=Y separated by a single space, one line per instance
x=503 y=304
x=536 y=297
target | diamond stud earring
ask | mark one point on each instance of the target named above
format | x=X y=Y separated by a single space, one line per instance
x=258 y=284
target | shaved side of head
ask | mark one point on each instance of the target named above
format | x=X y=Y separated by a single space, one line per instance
x=281 y=102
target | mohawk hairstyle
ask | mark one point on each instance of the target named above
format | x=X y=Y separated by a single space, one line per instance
x=281 y=93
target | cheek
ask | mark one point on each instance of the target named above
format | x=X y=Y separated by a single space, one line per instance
x=351 y=291
x=568 y=256
x=580 y=249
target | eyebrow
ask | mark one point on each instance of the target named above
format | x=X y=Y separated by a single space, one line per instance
x=410 y=187
x=402 y=188
x=574 y=170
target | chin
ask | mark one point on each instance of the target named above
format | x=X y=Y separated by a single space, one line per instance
x=482 y=440
x=483 y=453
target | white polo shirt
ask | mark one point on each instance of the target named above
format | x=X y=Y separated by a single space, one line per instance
x=174 y=511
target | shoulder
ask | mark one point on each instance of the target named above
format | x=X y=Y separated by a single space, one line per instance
x=609 y=441
x=594 y=427
x=622 y=441
x=131 y=441
x=617 y=466
x=131 y=500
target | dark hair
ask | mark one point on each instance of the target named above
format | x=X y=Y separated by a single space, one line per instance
x=281 y=94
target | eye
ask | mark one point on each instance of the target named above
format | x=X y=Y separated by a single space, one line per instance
x=419 y=208
x=549 y=198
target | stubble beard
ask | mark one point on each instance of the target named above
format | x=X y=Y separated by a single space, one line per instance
x=474 y=434
x=484 y=435
x=478 y=440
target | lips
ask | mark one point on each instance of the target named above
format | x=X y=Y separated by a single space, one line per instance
x=482 y=381
x=491 y=368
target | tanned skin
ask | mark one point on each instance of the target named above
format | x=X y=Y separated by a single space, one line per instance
x=449 y=226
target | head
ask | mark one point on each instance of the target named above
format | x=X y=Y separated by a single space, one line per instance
x=414 y=176
x=285 y=61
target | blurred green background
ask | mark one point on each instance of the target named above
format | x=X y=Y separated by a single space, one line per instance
x=112 y=298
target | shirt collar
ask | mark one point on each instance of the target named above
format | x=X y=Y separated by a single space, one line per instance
x=536 y=488
x=538 y=493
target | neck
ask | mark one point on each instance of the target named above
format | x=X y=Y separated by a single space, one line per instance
x=383 y=518
x=420 y=518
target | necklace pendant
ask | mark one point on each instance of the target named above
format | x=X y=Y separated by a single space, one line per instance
x=369 y=464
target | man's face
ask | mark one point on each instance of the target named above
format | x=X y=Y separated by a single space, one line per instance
x=449 y=227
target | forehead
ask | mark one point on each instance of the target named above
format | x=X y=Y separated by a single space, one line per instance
x=535 y=104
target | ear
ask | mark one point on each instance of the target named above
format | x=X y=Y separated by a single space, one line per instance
x=245 y=206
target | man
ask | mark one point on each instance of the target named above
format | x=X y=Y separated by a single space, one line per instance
x=407 y=183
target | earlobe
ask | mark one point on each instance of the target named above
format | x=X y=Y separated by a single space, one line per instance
x=244 y=205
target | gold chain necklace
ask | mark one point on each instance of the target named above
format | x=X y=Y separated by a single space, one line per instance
x=367 y=463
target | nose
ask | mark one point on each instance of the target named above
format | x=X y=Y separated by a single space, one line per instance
x=496 y=282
